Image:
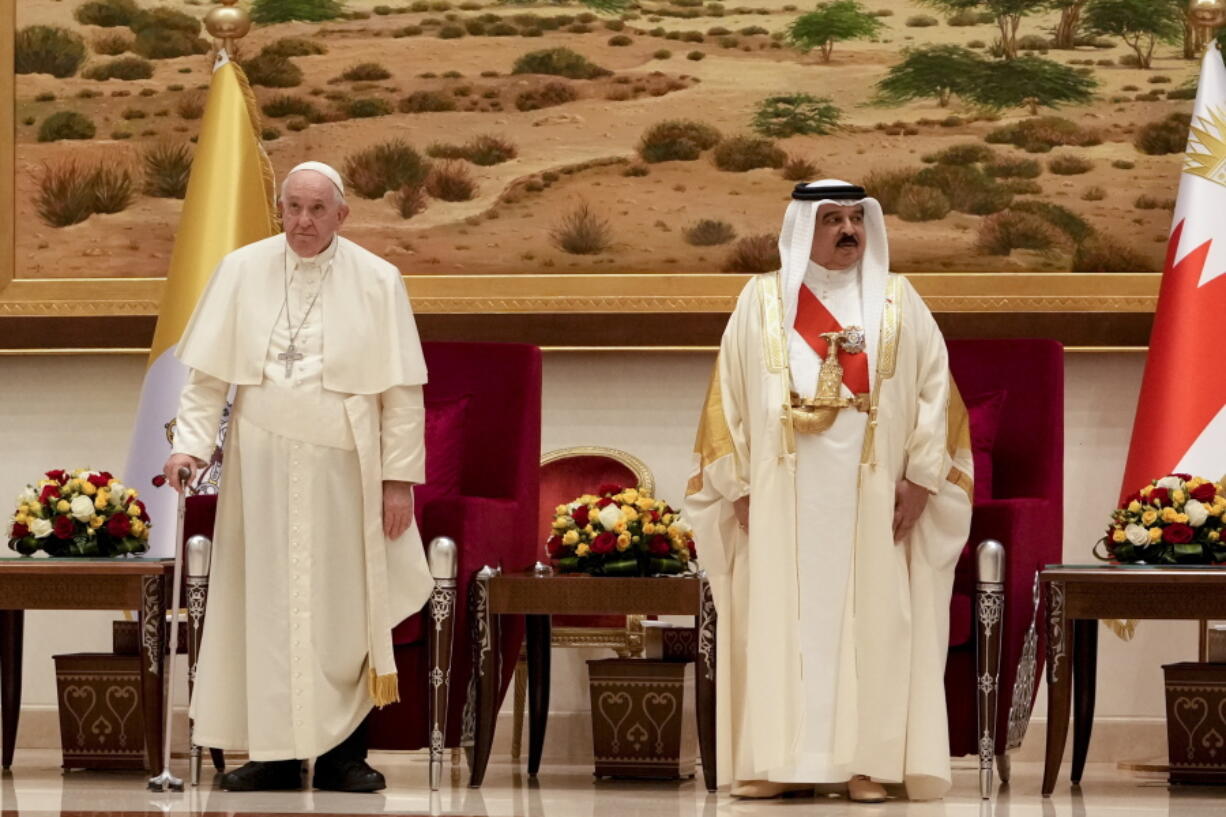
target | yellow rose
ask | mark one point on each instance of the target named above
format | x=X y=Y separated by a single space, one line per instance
x=36 y=508
x=649 y=528
x=88 y=489
x=623 y=541
x=667 y=519
x=1118 y=537
x=131 y=493
x=21 y=519
x=24 y=508
x=559 y=524
x=1149 y=517
x=1182 y=518
x=1169 y=514
x=62 y=506
x=582 y=550
x=684 y=555
x=645 y=503
x=562 y=510
x=1214 y=536
x=1134 y=507
x=1147 y=490
x=588 y=499
x=620 y=527
x=1196 y=482
x=138 y=527
x=111 y=482
x=72 y=485
x=1179 y=497
x=1155 y=535
x=629 y=513
x=571 y=537
x=630 y=495
x=96 y=522
x=101 y=500
x=134 y=509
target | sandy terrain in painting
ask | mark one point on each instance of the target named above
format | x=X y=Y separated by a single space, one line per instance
x=578 y=151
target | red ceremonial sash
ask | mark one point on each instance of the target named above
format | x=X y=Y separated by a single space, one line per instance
x=812 y=319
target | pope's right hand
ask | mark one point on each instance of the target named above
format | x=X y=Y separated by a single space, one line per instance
x=176 y=461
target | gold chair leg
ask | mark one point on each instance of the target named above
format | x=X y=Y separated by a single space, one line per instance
x=521 y=694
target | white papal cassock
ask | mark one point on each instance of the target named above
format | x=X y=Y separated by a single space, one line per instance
x=832 y=638
x=304 y=588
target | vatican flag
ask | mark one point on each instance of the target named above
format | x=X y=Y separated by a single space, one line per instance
x=230 y=202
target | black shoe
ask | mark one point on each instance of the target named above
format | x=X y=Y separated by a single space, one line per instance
x=275 y=775
x=347 y=775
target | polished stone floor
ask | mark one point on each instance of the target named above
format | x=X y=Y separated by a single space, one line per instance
x=37 y=786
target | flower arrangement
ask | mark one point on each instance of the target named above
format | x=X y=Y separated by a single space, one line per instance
x=620 y=532
x=79 y=513
x=1174 y=520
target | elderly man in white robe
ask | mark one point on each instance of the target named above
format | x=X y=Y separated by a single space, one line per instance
x=831 y=498
x=317 y=556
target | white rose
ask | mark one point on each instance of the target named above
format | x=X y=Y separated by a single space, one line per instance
x=1137 y=535
x=609 y=516
x=682 y=526
x=1197 y=513
x=41 y=528
x=117 y=490
x=82 y=508
x=1171 y=483
x=27 y=496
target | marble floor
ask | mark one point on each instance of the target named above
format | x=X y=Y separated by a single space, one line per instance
x=37 y=786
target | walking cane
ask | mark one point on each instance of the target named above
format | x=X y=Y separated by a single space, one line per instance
x=166 y=780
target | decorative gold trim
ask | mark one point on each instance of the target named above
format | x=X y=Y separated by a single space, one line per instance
x=646 y=482
x=957 y=477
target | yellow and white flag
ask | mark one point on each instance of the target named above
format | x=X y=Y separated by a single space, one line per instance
x=230 y=202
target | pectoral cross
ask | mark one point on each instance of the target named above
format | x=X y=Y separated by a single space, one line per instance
x=290 y=356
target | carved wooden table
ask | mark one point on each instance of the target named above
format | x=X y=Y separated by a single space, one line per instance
x=539 y=597
x=85 y=584
x=1080 y=595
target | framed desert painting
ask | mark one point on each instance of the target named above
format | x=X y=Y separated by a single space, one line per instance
x=608 y=174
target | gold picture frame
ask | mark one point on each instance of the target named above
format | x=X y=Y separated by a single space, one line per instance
x=646 y=310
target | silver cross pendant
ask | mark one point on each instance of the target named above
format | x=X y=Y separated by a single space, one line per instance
x=290 y=357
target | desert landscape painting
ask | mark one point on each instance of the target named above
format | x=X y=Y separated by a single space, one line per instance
x=480 y=136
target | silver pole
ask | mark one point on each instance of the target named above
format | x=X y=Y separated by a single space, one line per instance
x=166 y=780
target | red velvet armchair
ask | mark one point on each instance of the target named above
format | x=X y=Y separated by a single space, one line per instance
x=483 y=442
x=1014 y=391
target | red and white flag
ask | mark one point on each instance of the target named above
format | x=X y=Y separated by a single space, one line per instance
x=1180 y=425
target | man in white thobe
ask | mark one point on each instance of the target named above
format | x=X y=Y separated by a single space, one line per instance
x=831 y=498
x=316 y=555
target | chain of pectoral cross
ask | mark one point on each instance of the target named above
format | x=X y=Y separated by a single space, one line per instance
x=291 y=355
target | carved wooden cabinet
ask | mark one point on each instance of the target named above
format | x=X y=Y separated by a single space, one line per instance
x=642 y=724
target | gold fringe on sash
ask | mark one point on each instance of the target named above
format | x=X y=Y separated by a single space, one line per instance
x=384 y=689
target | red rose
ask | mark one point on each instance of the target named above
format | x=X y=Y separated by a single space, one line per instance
x=580 y=515
x=655 y=516
x=58 y=475
x=48 y=492
x=609 y=488
x=100 y=480
x=119 y=525
x=20 y=531
x=159 y=480
x=1178 y=534
x=555 y=547
x=604 y=543
x=692 y=548
x=63 y=527
x=144 y=514
x=1204 y=493
x=659 y=545
x=1160 y=497
x=604 y=503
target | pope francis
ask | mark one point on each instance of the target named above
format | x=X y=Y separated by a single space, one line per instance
x=316 y=555
x=832 y=498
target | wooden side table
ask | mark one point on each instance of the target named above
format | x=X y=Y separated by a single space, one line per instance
x=85 y=584
x=539 y=597
x=1077 y=597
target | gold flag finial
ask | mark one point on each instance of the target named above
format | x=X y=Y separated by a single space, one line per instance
x=1210 y=14
x=228 y=23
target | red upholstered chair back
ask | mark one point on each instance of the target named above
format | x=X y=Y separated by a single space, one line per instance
x=571 y=472
x=1028 y=456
